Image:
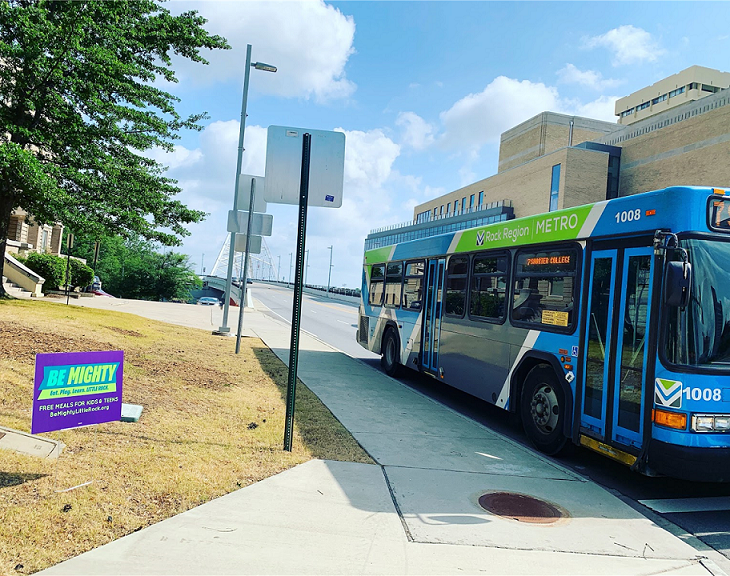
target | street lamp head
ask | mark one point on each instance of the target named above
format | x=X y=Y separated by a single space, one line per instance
x=264 y=67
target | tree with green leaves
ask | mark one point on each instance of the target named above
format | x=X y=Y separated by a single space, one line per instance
x=136 y=268
x=79 y=107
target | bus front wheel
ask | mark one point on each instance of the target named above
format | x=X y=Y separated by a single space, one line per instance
x=542 y=408
x=391 y=353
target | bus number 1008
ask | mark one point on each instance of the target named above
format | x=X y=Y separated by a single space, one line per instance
x=628 y=216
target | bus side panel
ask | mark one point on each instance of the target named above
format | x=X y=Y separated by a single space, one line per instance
x=475 y=357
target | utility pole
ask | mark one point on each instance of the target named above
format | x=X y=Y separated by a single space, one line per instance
x=329 y=276
x=202 y=264
x=290 y=265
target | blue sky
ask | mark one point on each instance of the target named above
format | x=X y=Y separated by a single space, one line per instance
x=422 y=90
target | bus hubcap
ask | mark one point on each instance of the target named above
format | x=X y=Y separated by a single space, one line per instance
x=545 y=409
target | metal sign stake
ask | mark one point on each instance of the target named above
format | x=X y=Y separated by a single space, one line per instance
x=244 y=279
x=297 y=308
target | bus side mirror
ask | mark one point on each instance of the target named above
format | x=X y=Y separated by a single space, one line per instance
x=677 y=282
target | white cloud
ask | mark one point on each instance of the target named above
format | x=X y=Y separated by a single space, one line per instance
x=628 y=44
x=589 y=78
x=417 y=133
x=480 y=118
x=602 y=108
x=309 y=42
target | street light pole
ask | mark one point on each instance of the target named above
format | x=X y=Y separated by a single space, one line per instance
x=278 y=270
x=290 y=265
x=329 y=276
x=225 y=330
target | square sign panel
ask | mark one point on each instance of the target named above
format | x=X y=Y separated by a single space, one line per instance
x=261 y=224
x=284 y=166
x=254 y=245
x=244 y=193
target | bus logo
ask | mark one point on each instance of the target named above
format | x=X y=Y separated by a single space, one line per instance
x=480 y=238
x=668 y=393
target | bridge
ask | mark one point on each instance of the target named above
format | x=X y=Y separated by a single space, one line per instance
x=259 y=266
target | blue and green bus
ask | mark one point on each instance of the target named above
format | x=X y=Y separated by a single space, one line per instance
x=605 y=325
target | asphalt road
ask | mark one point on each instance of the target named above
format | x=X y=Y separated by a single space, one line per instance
x=702 y=510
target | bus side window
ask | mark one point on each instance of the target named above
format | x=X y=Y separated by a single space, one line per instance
x=544 y=288
x=488 y=287
x=413 y=285
x=377 y=278
x=455 y=300
x=393 y=284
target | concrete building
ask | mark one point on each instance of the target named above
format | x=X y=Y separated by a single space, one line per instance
x=553 y=161
x=26 y=235
x=686 y=86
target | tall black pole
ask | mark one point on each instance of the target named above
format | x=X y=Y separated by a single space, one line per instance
x=297 y=308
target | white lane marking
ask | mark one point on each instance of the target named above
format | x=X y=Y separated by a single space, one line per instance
x=673 y=505
x=348 y=323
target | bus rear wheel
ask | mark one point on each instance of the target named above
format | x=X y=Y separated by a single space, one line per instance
x=542 y=409
x=391 y=353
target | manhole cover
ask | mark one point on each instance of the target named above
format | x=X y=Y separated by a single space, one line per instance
x=520 y=507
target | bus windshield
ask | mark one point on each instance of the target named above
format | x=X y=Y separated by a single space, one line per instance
x=699 y=335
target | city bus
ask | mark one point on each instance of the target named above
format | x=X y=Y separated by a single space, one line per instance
x=605 y=325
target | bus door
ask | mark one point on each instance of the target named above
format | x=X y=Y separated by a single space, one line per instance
x=614 y=344
x=432 y=314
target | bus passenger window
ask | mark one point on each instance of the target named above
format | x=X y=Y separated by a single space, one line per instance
x=457 y=271
x=393 y=284
x=488 y=287
x=377 y=276
x=413 y=285
x=544 y=288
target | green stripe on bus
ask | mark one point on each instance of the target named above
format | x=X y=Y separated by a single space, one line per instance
x=378 y=255
x=550 y=227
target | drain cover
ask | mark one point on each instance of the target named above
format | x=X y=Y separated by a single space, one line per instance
x=520 y=507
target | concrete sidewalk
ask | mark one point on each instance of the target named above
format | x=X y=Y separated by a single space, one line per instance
x=416 y=512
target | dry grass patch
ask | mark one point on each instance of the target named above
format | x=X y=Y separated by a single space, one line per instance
x=213 y=422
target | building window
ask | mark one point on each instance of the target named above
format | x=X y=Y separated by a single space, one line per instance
x=471 y=201
x=463 y=204
x=661 y=98
x=676 y=92
x=554 y=188
x=642 y=106
x=481 y=198
x=448 y=208
x=435 y=212
x=627 y=112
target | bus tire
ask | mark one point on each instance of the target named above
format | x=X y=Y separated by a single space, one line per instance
x=542 y=407
x=390 y=360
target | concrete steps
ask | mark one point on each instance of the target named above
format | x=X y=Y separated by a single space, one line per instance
x=14 y=290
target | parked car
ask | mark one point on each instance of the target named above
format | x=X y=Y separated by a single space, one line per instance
x=208 y=301
x=96 y=284
x=100 y=292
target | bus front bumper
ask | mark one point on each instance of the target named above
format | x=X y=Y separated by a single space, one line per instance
x=690 y=463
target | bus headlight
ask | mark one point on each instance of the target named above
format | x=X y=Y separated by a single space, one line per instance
x=722 y=423
x=710 y=423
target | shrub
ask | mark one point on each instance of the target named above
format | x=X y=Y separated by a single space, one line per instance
x=50 y=267
x=81 y=274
